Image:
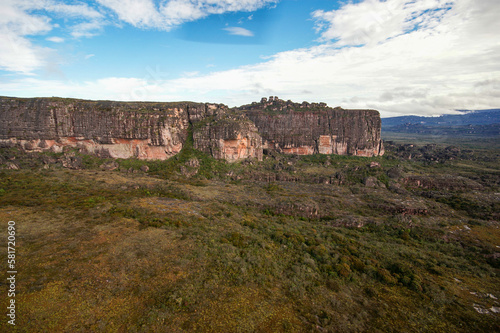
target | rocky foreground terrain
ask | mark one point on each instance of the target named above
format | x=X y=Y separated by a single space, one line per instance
x=406 y=242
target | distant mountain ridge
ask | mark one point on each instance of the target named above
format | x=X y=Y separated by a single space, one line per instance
x=479 y=117
x=470 y=123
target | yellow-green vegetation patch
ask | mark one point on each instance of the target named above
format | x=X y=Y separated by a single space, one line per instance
x=244 y=309
x=170 y=206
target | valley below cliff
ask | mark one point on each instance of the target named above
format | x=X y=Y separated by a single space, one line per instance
x=288 y=243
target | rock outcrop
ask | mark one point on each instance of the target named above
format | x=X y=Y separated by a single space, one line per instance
x=228 y=136
x=105 y=128
x=306 y=128
x=150 y=130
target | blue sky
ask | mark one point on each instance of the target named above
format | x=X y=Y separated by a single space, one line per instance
x=424 y=57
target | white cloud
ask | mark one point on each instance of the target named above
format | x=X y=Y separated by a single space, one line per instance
x=139 y=13
x=239 y=31
x=190 y=74
x=18 y=21
x=92 y=19
x=74 y=10
x=450 y=61
x=17 y=53
x=88 y=56
x=22 y=18
x=80 y=10
x=87 y=29
x=168 y=14
x=55 y=39
x=374 y=21
x=112 y=88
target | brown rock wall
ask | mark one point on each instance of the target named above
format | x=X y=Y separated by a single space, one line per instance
x=115 y=129
x=315 y=128
x=149 y=130
x=228 y=136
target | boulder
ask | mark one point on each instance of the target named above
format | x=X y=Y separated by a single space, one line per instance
x=71 y=161
x=370 y=182
x=11 y=166
x=109 y=166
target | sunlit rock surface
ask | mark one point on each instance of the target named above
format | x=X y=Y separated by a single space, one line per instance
x=150 y=130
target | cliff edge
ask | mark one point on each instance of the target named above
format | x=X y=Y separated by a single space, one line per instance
x=151 y=130
x=312 y=128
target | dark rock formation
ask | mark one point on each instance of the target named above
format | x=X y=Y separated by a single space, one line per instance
x=228 y=136
x=70 y=161
x=306 y=129
x=150 y=130
x=109 y=129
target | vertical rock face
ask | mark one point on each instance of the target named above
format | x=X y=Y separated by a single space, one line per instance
x=306 y=129
x=224 y=134
x=198 y=112
x=159 y=130
x=114 y=129
x=228 y=136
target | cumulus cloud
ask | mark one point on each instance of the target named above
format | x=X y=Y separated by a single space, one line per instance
x=139 y=13
x=92 y=20
x=441 y=56
x=17 y=53
x=166 y=15
x=20 y=19
x=239 y=31
x=374 y=21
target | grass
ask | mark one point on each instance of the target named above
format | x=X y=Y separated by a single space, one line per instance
x=114 y=251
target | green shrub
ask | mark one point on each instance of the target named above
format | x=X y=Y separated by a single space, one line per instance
x=385 y=276
x=343 y=270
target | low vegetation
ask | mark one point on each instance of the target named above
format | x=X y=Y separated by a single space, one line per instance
x=317 y=243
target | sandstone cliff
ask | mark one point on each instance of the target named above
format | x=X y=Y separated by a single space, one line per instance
x=149 y=130
x=306 y=128
x=228 y=136
x=106 y=128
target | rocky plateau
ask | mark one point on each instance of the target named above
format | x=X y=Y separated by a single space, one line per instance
x=151 y=130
